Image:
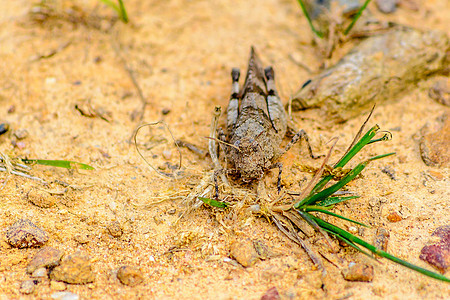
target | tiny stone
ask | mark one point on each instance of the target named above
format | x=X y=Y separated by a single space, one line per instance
x=167 y=154
x=438 y=254
x=27 y=287
x=436 y=175
x=435 y=147
x=57 y=285
x=75 y=268
x=358 y=272
x=39 y=273
x=382 y=239
x=41 y=199
x=114 y=229
x=47 y=257
x=64 y=296
x=244 y=252
x=4 y=127
x=387 y=6
x=130 y=276
x=262 y=249
x=271 y=294
x=165 y=111
x=352 y=229
x=394 y=217
x=81 y=238
x=20 y=134
x=24 y=234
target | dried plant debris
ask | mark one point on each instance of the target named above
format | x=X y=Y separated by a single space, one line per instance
x=434 y=143
x=379 y=69
x=25 y=234
x=438 y=254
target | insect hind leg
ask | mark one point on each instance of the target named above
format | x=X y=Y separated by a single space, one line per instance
x=233 y=105
x=277 y=115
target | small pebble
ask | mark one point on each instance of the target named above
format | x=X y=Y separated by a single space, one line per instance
x=27 y=287
x=352 y=229
x=271 y=294
x=20 y=134
x=24 y=234
x=394 y=217
x=358 y=272
x=41 y=199
x=435 y=147
x=4 y=127
x=114 y=229
x=165 y=111
x=438 y=254
x=57 y=285
x=82 y=238
x=244 y=252
x=47 y=257
x=39 y=273
x=387 y=6
x=167 y=154
x=64 y=296
x=262 y=249
x=130 y=276
x=75 y=268
x=172 y=211
x=382 y=239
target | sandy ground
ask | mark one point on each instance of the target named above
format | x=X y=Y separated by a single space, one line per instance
x=181 y=53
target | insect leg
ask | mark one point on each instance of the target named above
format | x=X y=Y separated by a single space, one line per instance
x=297 y=137
x=278 y=165
x=277 y=114
x=233 y=105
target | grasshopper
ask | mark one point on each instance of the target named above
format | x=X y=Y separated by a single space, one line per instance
x=256 y=124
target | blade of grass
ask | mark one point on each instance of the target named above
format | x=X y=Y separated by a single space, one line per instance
x=312 y=199
x=59 y=163
x=310 y=208
x=120 y=9
x=334 y=200
x=356 y=17
x=370 y=134
x=350 y=243
x=305 y=12
x=215 y=203
x=347 y=235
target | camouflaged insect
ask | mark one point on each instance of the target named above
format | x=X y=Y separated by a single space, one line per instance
x=256 y=123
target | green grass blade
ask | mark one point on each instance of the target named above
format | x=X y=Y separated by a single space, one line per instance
x=356 y=17
x=59 y=163
x=311 y=208
x=120 y=9
x=312 y=199
x=350 y=243
x=305 y=12
x=334 y=200
x=370 y=134
x=123 y=12
x=347 y=235
x=215 y=203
